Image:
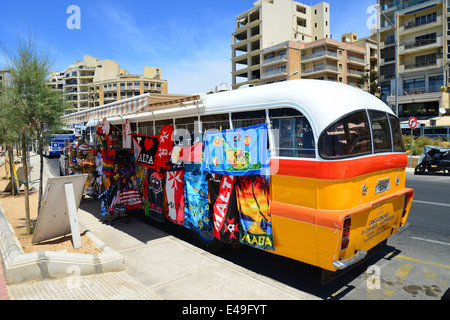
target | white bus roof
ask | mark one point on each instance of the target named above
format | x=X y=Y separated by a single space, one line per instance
x=322 y=102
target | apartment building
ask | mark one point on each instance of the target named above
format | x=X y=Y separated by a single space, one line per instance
x=414 y=45
x=269 y=23
x=4 y=77
x=56 y=80
x=93 y=82
x=281 y=62
x=325 y=59
x=126 y=86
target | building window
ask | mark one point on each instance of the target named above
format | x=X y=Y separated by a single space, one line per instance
x=435 y=83
x=414 y=85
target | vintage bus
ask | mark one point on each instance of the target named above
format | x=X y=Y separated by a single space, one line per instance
x=337 y=164
x=56 y=142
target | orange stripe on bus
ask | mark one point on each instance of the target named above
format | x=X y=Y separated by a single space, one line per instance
x=327 y=218
x=342 y=169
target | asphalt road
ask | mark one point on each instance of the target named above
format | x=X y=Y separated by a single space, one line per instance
x=415 y=265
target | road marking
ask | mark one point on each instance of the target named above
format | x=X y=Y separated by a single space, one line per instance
x=432 y=203
x=432 y=241
x=424 y=262
x=401 y=274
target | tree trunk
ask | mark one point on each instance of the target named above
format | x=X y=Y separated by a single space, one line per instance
x=41 y=173
x=12 y=178
x=25 y=183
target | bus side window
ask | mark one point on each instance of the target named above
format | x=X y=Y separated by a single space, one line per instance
x=161 y=123
x=293 y=135
x=248 y=119
x=215 y=122
x=145 y=128
x=190 y=124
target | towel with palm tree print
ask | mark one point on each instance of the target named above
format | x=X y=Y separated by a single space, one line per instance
x=253 y=196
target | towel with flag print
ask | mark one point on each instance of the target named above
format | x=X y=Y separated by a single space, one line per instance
x=237 y=152
x=175 y=196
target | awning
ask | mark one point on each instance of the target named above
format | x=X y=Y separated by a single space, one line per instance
x=143 y=103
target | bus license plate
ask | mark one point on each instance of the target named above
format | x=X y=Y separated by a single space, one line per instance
x=382 y=186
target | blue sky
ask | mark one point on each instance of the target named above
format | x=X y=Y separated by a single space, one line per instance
x=189 y=40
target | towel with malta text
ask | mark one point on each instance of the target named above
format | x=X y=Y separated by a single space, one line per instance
x=225 y=213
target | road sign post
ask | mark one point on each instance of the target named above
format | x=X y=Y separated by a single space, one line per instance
x=412 y=122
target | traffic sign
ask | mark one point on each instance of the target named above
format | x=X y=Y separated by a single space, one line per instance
x=412 y=122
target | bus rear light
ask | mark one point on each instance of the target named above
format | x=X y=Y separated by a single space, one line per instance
x=346 y=233
x=344 y=244
x=405 y=205
x=347 y=222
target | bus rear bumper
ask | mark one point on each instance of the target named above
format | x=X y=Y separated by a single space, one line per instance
x=343 y=264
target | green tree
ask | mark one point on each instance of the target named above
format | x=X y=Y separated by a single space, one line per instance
x=369 y=81
x=33 y=109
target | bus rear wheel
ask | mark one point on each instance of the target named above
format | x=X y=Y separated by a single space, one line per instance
x=207 y=241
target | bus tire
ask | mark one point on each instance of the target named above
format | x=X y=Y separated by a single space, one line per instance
x=207 y=241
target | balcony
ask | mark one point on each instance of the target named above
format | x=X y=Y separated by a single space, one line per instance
x=355 y=73
x=356 y=60
x=423 y=65
x=274 y=60
x=320 y=55
x=413 y=26
x=419 y=45
x=278 y=73
x=406 y=4
x=320 y=69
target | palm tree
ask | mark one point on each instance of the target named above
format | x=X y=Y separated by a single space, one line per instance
x=255 y=180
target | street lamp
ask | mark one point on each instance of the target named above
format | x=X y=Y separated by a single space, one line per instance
x=378 y=8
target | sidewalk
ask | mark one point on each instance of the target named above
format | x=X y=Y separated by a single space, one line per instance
x=157 y=266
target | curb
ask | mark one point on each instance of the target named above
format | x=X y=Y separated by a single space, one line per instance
x=23 y=267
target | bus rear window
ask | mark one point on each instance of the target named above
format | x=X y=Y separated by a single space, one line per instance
x=381 y=131
x=397 y=134
x=347 y=137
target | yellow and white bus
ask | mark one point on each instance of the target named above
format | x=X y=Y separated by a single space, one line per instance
x=337 y=164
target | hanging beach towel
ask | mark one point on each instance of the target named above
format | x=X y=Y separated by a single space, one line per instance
x=155 y=195
x=225 y=213
x=131 y=198
x=196 y=209
x=255 y=221
x=127 y=142
x=237 y=152
x=165 y=145
x=175 y=196
x=145 y=148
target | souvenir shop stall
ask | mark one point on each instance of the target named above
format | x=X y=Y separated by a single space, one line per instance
x=116 y=171
x=216 y=183
x=80 y=159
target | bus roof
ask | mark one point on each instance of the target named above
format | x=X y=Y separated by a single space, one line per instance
x=321 y=101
